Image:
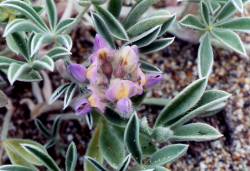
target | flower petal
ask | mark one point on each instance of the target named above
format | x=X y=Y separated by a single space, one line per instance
x=82 y=107
x=135 y=48
x=78 y=71
x=128 y=56
x=124 y=105
x=94 y=100
x=152 y=79
x=92 y=73
x=99 y=43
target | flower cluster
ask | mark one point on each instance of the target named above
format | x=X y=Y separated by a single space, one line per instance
x=114 y=77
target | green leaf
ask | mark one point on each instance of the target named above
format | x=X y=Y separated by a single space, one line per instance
x=56 y=125
x=214 y=7
x=144 y=128
x=58 y=53
x=98 y=2
x=167 y=154
x=156 y=45
x=146 y=67
x=93 y=150
x=137 y=99
x=42 y=128
x=192 y=22
x=183 y=102
x=65 y=40
x=16 y=70
x=69 y=94
x=148 y=147
x=214 y=110
x=32 y=76
x=156 y=101
x=208 y=100
x=136 y=12
x=64 y=25
x=49 y=143
x=71 y=157
x=204 y=11
x=146 y=24
x=38 y=40
x=230 y=39
x=116 y=29
x=157 y=13
x=44 y=62
x=238 y=4
x=18 y=25
x=29 y=41
x=51 y=13
x=115 y=7
x=21 y=44
x=205 y=56
x=95 y=164
x=15 y=146
x=89 y=120
x=110 y=146
x=145 y=38
x=113 y=117
x=84 y=3
x=123 y=166
x=119 y=132
x=14 y=168
x=42 y=156
x=238 y=24
x=11 y=44
x=26 y=10
x=3 y=16
x=3 y=99
x=131 y=139
x=5 y=62
x=102 y=29
x=195 y=132
x=38 y=9
x=166 y=25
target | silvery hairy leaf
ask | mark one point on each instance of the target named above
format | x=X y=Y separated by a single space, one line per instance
x=167 y=154
x=181 y=103
x=205 y=56
x=49 y=143
x=144 y=128
x=214 y=6
x=95 y=164
x=65 y=40
x=148 y=147
x=89 y=120
x=115 y=7
x=71 y=157
x=3 y=99
x=145 y=38
x=58 y=92
x=69 y=94
x=31 y=76
x=42 y=156
x=230 y=39
x=42 y=128
x=93 y=150
x=238 y=5
x=26 y=10
x=146 y=67
x=16 y=70
x=192 y=22
x=113 y=117
x=123 y=166
x=114 y=26
x=214 y=110
x=165 y=25
x=162 y=133
x=138 y=99
x=44 y=62
x=103 y=30
x=208 y=100
x=98 y=2
x=204 y=11
x=146 y=24
x=15 y=167
x=5 y=62
x=64 y=25
x=239 y=24
x=56 y=126
x=38 y=40
x=11 y=44
x=52 y=13
x=140 y=7
x=156 y=45
x=84 y=3
x=58 y=53
x=195 y=132
x=131 y=139
x=156 y=101
x=110 y=146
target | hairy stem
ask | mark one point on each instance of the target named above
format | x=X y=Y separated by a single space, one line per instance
x=77 y=20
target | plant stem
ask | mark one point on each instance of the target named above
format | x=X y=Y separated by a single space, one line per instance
x=7 y=121
x=77 y=20
x=184 y=12
x=6 y=52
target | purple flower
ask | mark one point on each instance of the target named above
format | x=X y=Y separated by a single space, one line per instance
x=99 y=43
x=152 y=79
x=82 y=107
x=124 y=104
x=78 y=71
x=92 y=73
x=94 y=101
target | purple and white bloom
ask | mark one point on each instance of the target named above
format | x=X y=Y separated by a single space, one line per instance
x=124 y=104
x=135 y=48
x=78 y=71
x=152 y=79
x=94 y=101
x=92 y=73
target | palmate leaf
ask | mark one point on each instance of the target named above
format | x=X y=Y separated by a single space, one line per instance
x=5 y=62
x=213 y=6
x=64 y=25
x=42 y=156
x=156 y=45
x=230 y=39
x=52 y=13
x=103 y=30
x=167 y=154
x=16 y=70
x=205 y=56
x=204 y=11
x=71 y=157
x=26 y=10
x=65 y=40
x=58 y=53
x=15 y=168
x=58 y=92
x=192 y=22
x=195 y=132
x=113 y=24
x=3 y=99
x=38 y=40
x=140 y=7
x=131 y=139
x=69 y=94
x=115 y=7
x=44 y=62
x=181 y=103
x=110 y=146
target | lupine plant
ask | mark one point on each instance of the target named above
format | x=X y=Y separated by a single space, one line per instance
x=108 y=88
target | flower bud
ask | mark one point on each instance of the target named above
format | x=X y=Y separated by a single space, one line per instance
x=107 y=69
x=78 y=71
x=124 y=105
x=152 y=79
